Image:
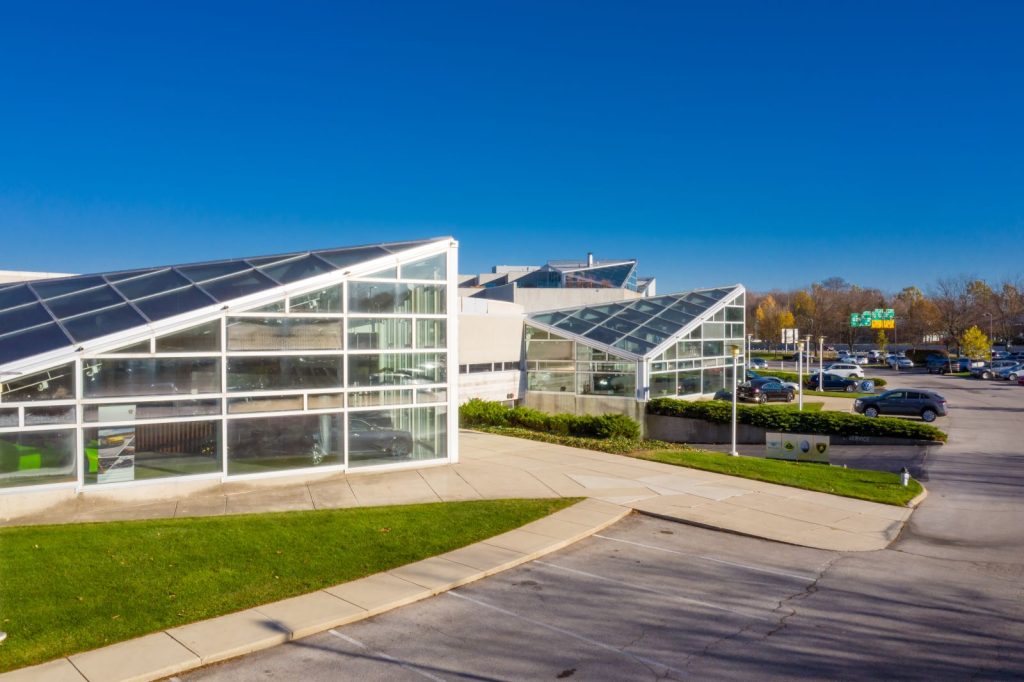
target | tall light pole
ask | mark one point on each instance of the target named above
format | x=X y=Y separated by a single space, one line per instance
x=735 y=357
x=750 y=346
x=800 y=372
x=821 y=361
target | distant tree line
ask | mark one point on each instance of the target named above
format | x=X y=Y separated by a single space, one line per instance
x=942 y=313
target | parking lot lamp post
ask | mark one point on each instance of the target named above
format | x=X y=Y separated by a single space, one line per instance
x=735 y=368
x=750 y=347
x=800 y=372
x=821 y=357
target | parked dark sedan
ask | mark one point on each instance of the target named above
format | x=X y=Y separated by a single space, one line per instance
x=833 y=382
x=763 y=390
x=366 y=439
x=911 y=402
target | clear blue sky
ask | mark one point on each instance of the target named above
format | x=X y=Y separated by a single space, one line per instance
x=717 y=142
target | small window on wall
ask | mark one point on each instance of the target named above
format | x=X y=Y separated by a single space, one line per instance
x=284 y=443
x=140 y=452
x=53 y=384
x=434 y=267
x=37 y=457
x=379 y=437
x=201 y=339
x=323 y=301
x=734 y=314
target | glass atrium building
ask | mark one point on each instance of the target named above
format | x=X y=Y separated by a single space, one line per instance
x=316 y=361
x=672 y=345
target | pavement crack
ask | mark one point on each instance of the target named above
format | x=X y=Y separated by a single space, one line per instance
x=785 y=604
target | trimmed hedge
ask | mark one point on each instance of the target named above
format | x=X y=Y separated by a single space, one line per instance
x=488 y=413
x=792 y=421
x=791 y=376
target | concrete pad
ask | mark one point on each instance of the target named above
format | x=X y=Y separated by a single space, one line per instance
x=271 y=500
x=397 y=487
x=59 y=670
x=560 y=482
x=790 y=508
x=146 y=658
x=557 y=529
x=521 y=541
x=857 y=523
x=437 y=574
x=236 y=634
x=157 y=510
x=487 y=558
x=379 y=592
x=332 y=495
x=448 y=485
x=590 y=517
x=497 y=481
x=592 y=504
x=202 y=506
x=717 y=492
x=598 y=483
x=626 y=496
x=888 y=511
x=311 y=613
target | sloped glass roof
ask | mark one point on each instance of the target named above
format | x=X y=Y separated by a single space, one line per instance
x=45 y=315
x=637 y=326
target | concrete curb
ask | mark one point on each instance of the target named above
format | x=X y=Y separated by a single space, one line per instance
x=919 y=499
x=192 y=646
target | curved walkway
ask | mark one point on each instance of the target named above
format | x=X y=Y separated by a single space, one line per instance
x=494 y=466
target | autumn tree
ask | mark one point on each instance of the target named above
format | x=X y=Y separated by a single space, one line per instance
x=772 y=319
x=974 y=344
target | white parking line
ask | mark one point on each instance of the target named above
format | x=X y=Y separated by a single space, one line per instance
x=381 y=654
x=568 y=633
x=749 y=567
x=667 y=595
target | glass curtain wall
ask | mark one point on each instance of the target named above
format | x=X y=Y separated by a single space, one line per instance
x=558 y=365
x=353 y=373
x=700 y=362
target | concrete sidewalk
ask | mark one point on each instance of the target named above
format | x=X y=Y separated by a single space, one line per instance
x=500 y=467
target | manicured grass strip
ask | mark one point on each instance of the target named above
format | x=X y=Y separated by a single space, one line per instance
x=875 y=486
x=70 y=588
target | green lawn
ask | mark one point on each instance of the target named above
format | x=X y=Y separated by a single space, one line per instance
x=876 y=486
x=70 y=588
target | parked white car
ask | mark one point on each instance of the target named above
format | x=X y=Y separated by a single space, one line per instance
x=900 y=363
x=845 y=370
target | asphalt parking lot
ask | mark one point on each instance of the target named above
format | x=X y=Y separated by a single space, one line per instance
x=653 y=599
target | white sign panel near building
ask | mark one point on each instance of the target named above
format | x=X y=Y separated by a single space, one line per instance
x=797 y=447
x=790 y=335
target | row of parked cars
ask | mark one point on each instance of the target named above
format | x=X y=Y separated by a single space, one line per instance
x=1011 y=370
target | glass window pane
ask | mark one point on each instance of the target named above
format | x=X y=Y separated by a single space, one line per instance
x=379 y=333
x=549 y=350
x=239 y=285
x=142 y=452
x=158 y=409
x=53 y=384
x=275 y=307
x=206 y=271
x=174 y=303
x=152 y=284
x=23 y=317
x=76 y=304
x=714 y=330
x=112 y=377
x=109 y=321
x=607 y=384
x=284 y=373
x=283 y=443
x=402 y=435
x=372 y=398
x=433 y=267
x=560 y=382
x=714 y=379
x=37 y=457
x=49 y=414
x=284 y=333
x=16 y=295
x=431 y=395
x=205 y=337
x=387 y=273
x=342 y=258
x=294 y=270
x=734 y=314
x=688 y=382
x=396 y=369
x=8 y=416
x=271 y=403
x=375 y=297
x=32 y=342
x=714 y=348
x=59 y=287
x=323 y=301
x=140 y=347
x=431 y=333
x=663 y=385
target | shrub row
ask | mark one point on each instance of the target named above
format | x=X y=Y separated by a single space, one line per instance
x=488 y=413
x=793 y=421
x=791 y=376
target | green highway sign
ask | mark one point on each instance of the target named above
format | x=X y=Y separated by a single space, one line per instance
x=872 y=318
